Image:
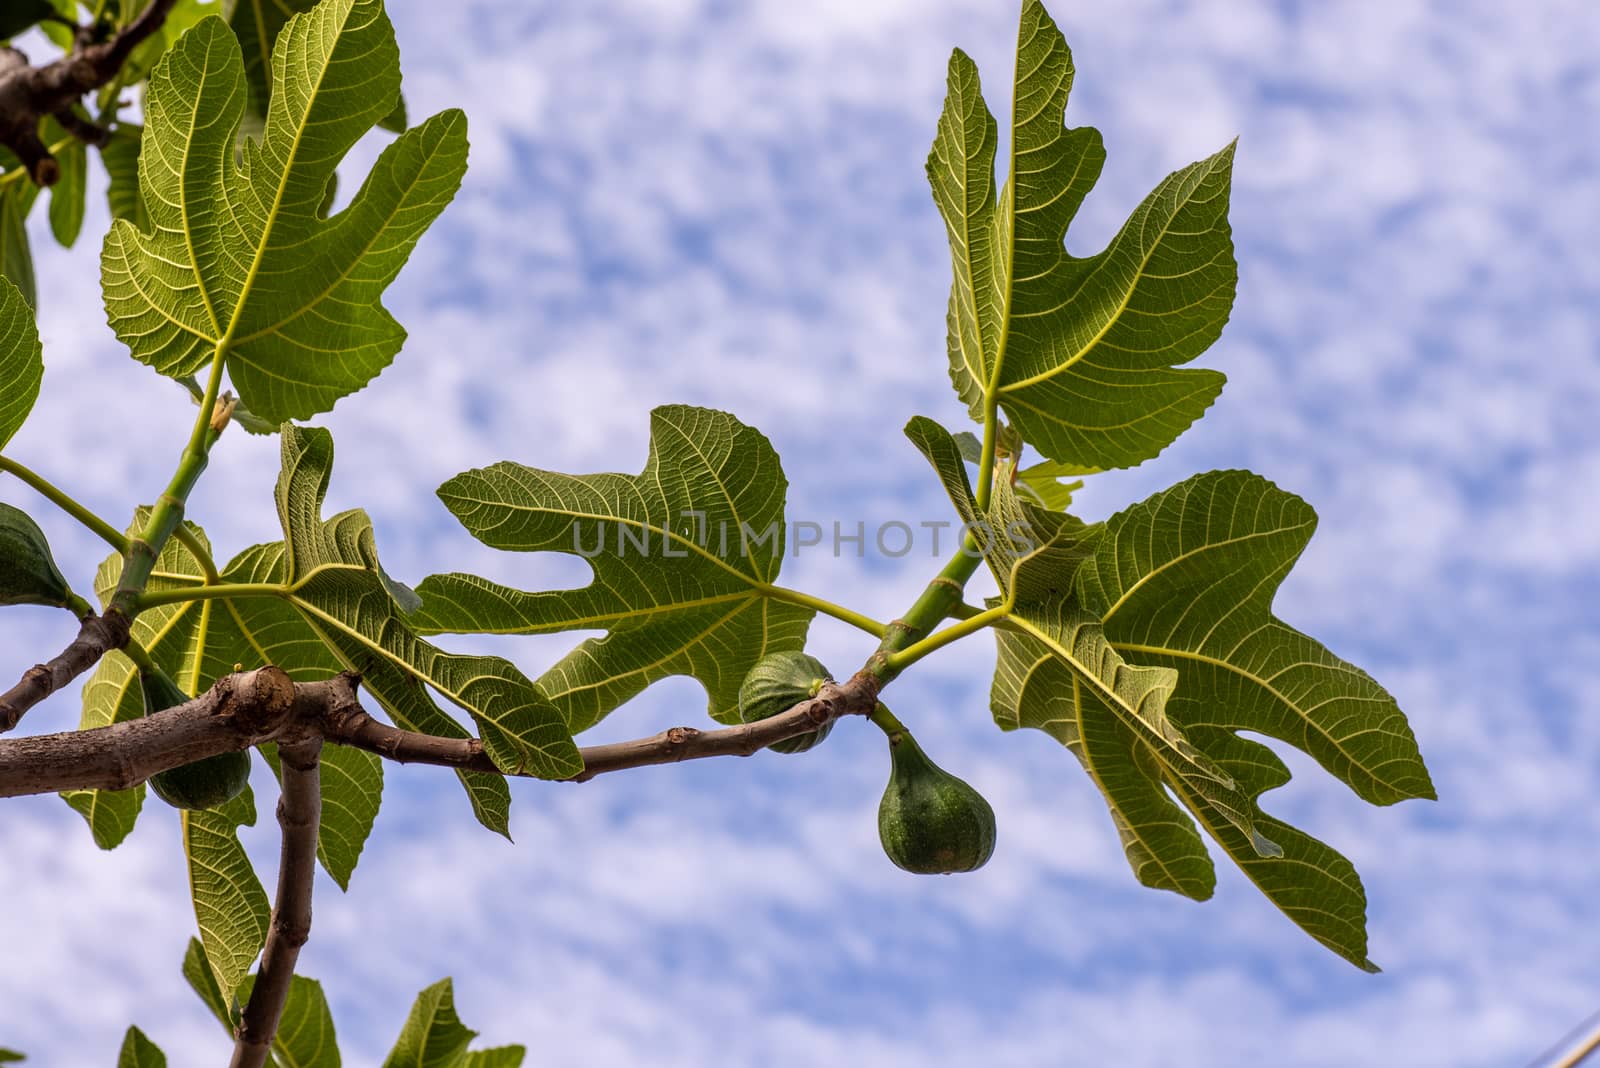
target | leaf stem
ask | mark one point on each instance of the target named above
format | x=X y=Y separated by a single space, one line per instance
x=904 y=658
x=107 y=533
x=827 y=607
x=183 y=594
x=991 y=421
x=140 y=657
x=888 y=723
x=197 y=548
x=167 y=515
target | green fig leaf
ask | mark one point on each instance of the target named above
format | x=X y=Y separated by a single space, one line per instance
x=230 y=906
x=68 y=196
x=305 y=1037
x=197 y=972
x=120 y=157
x=28 y=571
x=1081 y=354
x=335 y=583
x=684 y=557
x=1185 y=580
x=16 y=256
x=433 y=1035
x=237 y=262
x=139 y=1052
x=21 y=355
x=1058 y=672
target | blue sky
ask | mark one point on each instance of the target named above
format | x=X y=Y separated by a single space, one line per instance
x=680 y=201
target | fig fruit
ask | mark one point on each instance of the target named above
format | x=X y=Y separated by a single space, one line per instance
x=777 y=683
x=28 y=573
x=929 y=821
x=205 y=783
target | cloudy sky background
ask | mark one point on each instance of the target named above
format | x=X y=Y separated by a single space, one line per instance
x=723 y=204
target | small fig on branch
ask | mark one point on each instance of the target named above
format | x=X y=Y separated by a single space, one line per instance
x=929 y=821
x=28 y=573
x=205 y=783
x=777 y=683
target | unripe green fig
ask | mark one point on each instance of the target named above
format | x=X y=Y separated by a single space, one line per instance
x=777 y=683
x=205 y=783
x=929 y=821
x=28 y=573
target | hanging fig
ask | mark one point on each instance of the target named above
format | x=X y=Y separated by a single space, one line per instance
x=28 y=573
x=205 y=783
x=929 y=821
x=777 y=683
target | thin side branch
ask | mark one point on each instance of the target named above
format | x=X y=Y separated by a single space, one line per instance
x=299 y=814
x=28 y=94
x=97 y=636
x=348 y=724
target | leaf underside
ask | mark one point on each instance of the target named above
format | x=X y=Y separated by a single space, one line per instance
x=1174 y=596
x=237 y=258
x=1081 y=353
x=684 y=556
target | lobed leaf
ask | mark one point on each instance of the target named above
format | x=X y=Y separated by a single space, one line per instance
x=21 y=355
x=237 y=260
x=684 y=557
x=120 y=157
x=335 y=583
x=1080 y=353
x=1185 y=580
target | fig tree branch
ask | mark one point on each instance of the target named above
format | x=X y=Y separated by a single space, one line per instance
x=349 y=724
x=97 y=636
x=299 y=814
x=28 y=93
x=238 y=712
x=265 y=705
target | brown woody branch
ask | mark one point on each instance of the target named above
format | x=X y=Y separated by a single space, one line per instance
x=299 y=814
x=348 y=724
x=97 y=636
x=265 y=705
x=28 y=93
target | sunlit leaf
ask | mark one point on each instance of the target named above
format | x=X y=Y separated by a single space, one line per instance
x=21 y=357
x=433 y=1035
x=684 y=556
x=1080 y=353
x=1185 y=580
x=335 y=582
x=230 y=906
x=139 y=1052
x=237 y=260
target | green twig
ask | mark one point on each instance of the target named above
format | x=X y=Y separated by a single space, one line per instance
x=166 y=516
x=107 y=533
x=904 y=658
